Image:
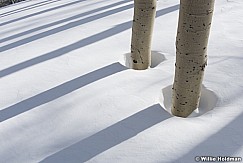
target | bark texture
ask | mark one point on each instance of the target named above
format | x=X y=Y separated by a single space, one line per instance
x=142 y=29
x=195 y=18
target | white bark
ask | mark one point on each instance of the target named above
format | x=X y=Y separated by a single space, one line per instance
x=195 y=18
x=142 y=29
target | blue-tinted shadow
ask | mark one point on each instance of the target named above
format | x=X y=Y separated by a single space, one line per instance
x=66 y=49
x=79 y=44
x=41 y=12
x=225 y=142
x=110 y=136
x=62 y=28
x=59 y=91
x=59 y=22
x=28 y=7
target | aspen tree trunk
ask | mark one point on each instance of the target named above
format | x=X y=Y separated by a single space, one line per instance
x=142 y=29
x=195 y=18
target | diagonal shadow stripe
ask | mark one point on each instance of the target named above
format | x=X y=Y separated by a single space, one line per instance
x=63 y=28
x=225 y=142
x=111 y=136
x=167 y=10
x=82 y=43
x=59 y=91
x=28 y=7
x=66 y=49
x=61 y=21
x=40 y=12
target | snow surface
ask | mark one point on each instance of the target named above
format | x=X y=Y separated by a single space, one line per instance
x=66 y=94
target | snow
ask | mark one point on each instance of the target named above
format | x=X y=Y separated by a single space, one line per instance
x=67 y=94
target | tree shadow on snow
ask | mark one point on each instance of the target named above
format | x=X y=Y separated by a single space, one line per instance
x=61 y=28
x=40 y=12
x=59 y=91
x=111 y=136
x=66 y=49
x=79 y=44
x=225 y=142
x=28 y=7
